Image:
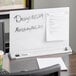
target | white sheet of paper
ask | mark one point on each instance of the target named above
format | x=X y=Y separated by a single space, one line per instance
x=47 y=62
x=57 y=24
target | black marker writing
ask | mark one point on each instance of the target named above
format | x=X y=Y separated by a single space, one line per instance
x=18 y=29
x=19 y=18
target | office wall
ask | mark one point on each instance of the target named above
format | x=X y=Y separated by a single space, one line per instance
x=73 y=25
x=61 y=3
x=49 y=3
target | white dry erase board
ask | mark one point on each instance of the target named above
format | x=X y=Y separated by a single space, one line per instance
x=39 y=32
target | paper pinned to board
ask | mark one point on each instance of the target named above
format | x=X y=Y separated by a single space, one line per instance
x=57 y=24
x=47 y=62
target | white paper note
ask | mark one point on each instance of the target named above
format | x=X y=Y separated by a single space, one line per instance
x=47 y=62
x=57 y=24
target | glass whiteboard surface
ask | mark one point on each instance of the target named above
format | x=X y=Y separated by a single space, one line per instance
x=30 y=32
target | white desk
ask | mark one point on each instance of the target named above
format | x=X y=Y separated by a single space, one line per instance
x=65 y=58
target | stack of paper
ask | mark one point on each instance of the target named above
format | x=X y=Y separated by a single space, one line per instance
x=47 y=62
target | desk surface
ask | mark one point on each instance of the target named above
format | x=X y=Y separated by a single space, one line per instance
x=6 y=62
